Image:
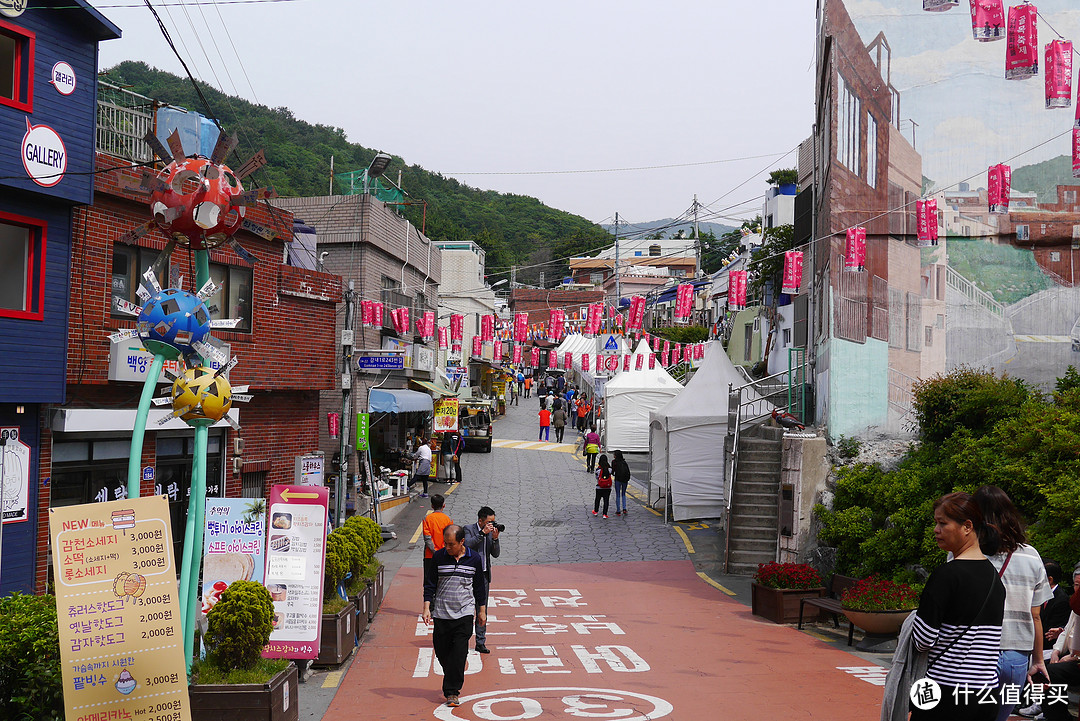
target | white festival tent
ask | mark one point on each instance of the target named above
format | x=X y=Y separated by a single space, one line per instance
x=578 y=344
x=631 y=396
x=686 y=439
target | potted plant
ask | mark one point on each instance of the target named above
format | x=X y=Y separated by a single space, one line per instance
x=786 y=180
x=879 y=606
x=338 y=637
x=234 y=681
x=31 y=681
x=368 y=536
x=778 y=587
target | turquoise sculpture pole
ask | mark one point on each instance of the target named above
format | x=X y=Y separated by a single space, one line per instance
x=196 y=509
x=134 y=477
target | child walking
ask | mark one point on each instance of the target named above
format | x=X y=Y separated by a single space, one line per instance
x=604 y=480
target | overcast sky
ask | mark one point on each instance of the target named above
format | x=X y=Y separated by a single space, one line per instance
x=511 y=87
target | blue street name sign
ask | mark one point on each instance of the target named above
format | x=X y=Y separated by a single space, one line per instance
x=380 y=362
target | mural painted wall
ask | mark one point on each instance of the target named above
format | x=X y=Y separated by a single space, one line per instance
x=910 y=105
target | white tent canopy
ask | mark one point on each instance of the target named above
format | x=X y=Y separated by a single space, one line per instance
x=686 y=439
x=631 y=396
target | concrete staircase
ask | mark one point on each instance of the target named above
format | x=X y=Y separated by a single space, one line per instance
x=753 y=524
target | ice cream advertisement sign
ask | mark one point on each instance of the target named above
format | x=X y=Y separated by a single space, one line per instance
x=234 y=543
x=121 y=648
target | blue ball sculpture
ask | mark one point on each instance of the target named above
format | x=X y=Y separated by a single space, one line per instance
x=171 y=322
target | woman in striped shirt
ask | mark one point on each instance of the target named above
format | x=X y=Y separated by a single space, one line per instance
x=958 y=622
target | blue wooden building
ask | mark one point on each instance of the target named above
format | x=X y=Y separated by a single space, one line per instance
x=48 y=111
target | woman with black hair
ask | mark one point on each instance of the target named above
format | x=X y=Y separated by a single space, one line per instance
x=958 y=622
x=1026 y=589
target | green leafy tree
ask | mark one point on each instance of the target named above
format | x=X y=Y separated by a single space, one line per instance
x=239 y=625
x=31 y=682
x=767 y=263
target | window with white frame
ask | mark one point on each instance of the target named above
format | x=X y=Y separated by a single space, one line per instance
x=848 y=120
x=871 y=151
x=22 y=267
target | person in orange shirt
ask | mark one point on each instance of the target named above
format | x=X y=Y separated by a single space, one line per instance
x=528 y=385
x=433 y=526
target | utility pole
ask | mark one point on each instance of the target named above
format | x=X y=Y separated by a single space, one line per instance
x=542 y=279
x=697 y=237
x=331 y=175
x=346 y=392
x=618 y=282
x=513 y=277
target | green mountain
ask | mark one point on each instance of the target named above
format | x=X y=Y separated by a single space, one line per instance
x=513 y=229
x=1043 y=178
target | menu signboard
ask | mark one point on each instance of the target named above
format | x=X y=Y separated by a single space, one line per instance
x=295 y=554
x=121 y=647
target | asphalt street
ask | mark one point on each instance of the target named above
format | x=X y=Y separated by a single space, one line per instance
x=621 y=612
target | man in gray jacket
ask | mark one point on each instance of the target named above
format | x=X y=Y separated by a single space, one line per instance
x=483 y=537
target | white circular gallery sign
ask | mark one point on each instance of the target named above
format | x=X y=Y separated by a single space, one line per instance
x=43 y=155
x=62 y=78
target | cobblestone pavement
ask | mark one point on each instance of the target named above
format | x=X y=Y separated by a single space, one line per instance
x=545 y=500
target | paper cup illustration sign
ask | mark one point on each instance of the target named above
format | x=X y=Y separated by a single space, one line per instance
x=62 y=78
x=43 y=154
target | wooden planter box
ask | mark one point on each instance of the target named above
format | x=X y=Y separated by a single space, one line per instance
x=362 y=603
x=781 y=605
x=380 y=588
x=338 y=638
x=277 y=700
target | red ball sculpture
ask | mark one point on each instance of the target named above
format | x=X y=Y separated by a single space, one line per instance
x=196 y=208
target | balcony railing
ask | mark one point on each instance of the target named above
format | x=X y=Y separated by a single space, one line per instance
x=123 y=120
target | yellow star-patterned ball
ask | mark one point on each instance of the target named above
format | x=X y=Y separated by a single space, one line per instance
x=204 y=395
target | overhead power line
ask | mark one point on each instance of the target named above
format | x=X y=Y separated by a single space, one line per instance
x=616 y=170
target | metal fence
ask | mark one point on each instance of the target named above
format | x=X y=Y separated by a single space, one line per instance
x=123 y=120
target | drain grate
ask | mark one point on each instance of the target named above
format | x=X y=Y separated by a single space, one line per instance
x=547 y=522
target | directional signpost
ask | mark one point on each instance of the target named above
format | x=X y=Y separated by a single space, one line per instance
x=295 y=555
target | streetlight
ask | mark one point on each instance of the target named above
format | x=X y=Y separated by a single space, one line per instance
x=378 y=166
x=497 y=283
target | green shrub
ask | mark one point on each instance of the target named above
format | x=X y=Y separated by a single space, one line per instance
x=31 y=683
x=848 y=447
x=965 y=398
x=239 y=625
x=369 y=531
x=336 y=563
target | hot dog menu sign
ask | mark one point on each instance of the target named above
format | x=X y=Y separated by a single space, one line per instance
x=119 y=615
x=295 y=553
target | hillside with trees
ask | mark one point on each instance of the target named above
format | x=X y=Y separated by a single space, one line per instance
x=513 y=229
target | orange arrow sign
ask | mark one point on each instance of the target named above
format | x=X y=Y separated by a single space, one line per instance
x=287 y=496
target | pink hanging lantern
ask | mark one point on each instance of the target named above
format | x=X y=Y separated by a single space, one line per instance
x=626 y=362
x=456 y=323
x=938 y=6
x=516 y=357
x=1022 y=48
x=639 y=362
x=684 y=301
x=676 y=352
x=595 y=317
x=429 y=325
x=599 y=363
x=855 y=249
x=667 y=347
x=366 y=313
x=585 y=362
x=534 y=357
x=652 y=361
x=477 y=346
x=376 y=314
x=793 y=262
x=927 y=217
x=987 y=20
x=568 y=361
x=444 y=337
x=403 y=314
x=999 y=188
x=737 y=290
x=487 y=328
x=1076 y=150
x=521 y=327
x=1059 y=63
x=553 y=359
x=636 y=315
x=555 y=323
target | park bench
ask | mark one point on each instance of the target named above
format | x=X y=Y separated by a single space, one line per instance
x=831 y=602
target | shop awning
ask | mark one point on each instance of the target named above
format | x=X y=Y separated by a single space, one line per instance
x=381 y=400
x=438 y=390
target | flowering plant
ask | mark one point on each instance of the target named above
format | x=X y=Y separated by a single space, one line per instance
x=787 y=575
x=879 y=594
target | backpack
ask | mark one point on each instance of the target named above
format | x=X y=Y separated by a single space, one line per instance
x=603 y=480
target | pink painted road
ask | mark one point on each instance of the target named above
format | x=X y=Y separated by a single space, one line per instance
x=627 y=641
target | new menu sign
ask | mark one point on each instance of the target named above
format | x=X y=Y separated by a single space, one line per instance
x=295 y=554
x=121 y=648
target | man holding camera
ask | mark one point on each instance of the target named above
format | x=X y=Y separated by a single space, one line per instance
x=483 y=537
